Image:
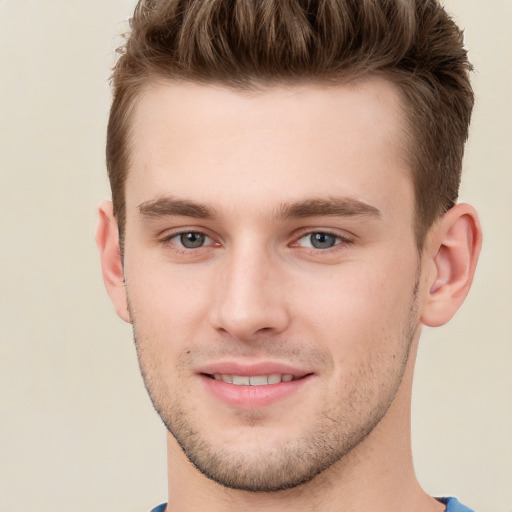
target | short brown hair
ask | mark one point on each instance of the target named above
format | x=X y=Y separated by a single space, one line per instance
x=254 y=43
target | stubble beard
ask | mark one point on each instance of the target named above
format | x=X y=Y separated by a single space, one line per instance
x=335 y=433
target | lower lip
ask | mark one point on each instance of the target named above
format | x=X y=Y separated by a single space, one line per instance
x=253 y=397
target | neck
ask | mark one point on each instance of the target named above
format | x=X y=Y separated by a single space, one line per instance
x=376 y=475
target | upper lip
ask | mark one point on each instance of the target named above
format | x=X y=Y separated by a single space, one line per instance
x=252 y=370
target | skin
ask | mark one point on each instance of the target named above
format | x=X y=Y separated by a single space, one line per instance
x=257 y=173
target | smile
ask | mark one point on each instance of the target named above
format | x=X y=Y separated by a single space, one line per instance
x=256 y=380
x=252 y=387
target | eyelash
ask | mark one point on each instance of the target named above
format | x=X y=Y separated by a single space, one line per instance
x=339 y=241
x=187 y=250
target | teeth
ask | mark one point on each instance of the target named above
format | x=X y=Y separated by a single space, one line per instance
x=261 y=380
x=257 y=380
x=241 y=380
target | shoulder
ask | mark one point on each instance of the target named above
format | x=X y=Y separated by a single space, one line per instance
x=160 y=508
x=454 y=505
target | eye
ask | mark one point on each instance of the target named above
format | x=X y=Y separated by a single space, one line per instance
x=319 y=240
x=191 y=240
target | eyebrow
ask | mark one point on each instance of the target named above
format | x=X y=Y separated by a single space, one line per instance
x=330 y=206
x=174 y=207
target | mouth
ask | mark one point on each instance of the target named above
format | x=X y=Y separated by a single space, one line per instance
x=253 y=380
x=254 y=386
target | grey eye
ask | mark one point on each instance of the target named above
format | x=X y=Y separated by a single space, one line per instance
x=192 y=240
x=322 y=240
x=319 y=240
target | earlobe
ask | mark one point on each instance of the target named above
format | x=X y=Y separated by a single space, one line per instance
x=107 y=241
x=452 y=252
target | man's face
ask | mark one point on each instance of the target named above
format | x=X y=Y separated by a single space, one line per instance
x=271 y=271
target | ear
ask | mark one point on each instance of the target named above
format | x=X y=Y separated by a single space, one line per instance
x=107 y=240
x=452 y=253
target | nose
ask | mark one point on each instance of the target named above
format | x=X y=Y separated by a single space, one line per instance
x=251 y=297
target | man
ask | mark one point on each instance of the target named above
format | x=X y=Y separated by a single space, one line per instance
x=284 y=222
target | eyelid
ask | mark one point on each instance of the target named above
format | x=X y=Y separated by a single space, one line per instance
x=168 y=236
x=343 y=238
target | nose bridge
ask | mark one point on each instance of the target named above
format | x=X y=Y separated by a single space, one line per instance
x=250 y=297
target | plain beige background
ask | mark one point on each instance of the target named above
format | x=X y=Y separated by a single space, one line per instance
x=77 y=431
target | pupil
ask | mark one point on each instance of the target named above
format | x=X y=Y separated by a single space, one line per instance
x=192 y=240
x=322 y=240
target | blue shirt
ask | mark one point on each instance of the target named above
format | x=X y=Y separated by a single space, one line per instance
x=452 y=505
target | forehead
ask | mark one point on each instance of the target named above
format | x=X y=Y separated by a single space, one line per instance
x=248 y=149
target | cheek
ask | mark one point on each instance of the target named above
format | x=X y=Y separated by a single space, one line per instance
x=166 y=305
x=363 y=304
